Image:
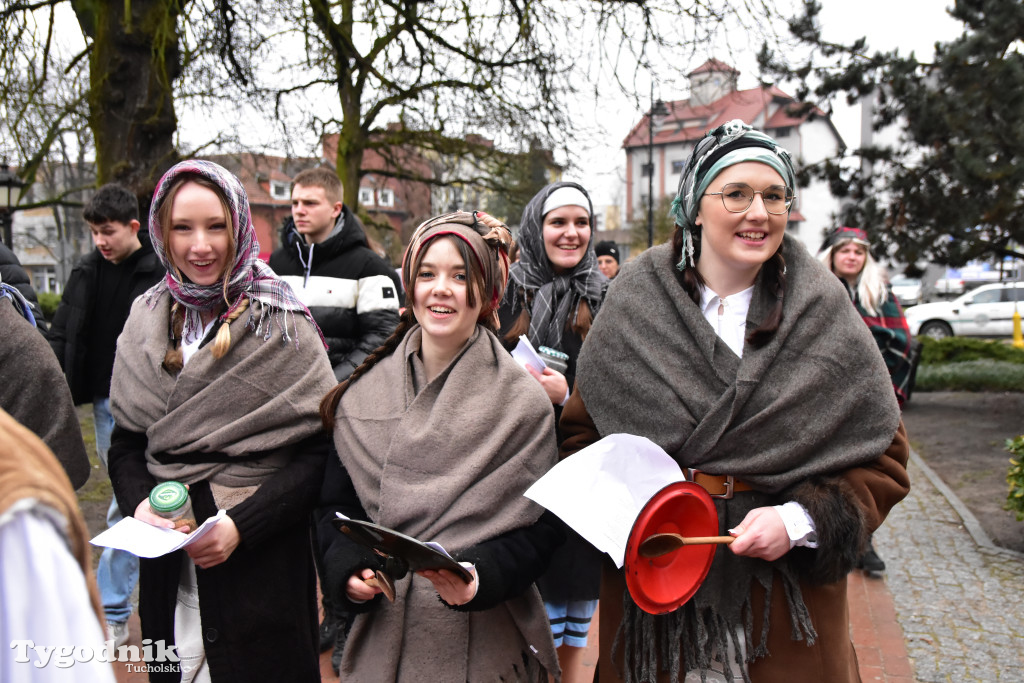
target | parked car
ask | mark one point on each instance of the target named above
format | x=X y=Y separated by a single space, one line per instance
x=908 y=290
x=949 y=285
x=984 y=312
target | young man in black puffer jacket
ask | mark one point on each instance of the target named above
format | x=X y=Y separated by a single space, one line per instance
x=352 y=292
x=354 y=296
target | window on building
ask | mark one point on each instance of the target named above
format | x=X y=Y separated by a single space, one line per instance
x=366 y=196
x=646 y=170
x=678 y=165
x=385 y=197
x=279 y=189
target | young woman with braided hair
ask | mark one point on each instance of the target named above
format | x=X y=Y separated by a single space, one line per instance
x=739 y=354
x=216 y=384
x=438 y=434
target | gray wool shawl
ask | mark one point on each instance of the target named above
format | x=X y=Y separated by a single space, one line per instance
x=262 y=396
x=813 y=402
x=448 y=461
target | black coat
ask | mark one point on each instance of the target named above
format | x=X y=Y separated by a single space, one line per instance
x=352 y=293
x=12 y=273
x=69 y=332
x=258 y=609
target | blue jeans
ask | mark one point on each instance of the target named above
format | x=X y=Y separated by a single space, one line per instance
x=118 y=571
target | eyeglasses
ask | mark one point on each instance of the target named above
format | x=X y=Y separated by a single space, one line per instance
x=737 y=198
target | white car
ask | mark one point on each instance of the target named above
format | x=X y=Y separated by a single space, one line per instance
x=907 y=290
x=984 y=312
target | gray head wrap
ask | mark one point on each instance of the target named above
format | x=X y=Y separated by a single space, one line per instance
x=731 y=143
x=555 y=296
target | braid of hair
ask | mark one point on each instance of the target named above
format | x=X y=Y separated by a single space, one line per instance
x=174 y=361
x=774 y=278
x=329 y=403
x=223 y=341
x=580 y=323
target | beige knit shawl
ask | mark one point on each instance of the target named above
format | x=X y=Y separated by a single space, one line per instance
x=447 y=461
x=261 y=396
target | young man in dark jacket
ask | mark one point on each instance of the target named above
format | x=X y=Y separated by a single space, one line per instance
x=97 y=299
x=353 y=294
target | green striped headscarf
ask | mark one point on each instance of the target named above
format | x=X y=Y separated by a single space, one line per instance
x=731 y=143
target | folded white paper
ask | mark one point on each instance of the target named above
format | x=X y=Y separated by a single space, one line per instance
x=146 y=540
x=601 y=490
x=526 y=355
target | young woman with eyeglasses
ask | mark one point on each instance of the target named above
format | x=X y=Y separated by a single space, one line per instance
x=739 y=354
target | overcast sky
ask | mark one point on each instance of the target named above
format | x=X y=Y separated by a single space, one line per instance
x=905 y=24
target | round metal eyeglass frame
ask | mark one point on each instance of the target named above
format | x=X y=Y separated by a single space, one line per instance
x=749 y=192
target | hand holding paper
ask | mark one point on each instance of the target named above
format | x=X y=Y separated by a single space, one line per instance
x=146 y=540
x=601 y=490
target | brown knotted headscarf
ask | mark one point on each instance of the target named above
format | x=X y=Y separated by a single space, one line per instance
x=489 y=239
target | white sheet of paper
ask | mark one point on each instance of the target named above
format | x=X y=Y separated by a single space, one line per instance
x=526 y=355
x=146 y=540
x=601 y=490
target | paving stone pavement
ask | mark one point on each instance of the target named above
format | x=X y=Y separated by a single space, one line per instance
x=958 y=598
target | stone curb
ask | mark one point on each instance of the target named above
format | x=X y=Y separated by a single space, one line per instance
x=971 y=523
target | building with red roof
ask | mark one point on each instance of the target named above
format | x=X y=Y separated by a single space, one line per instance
x=715 y=99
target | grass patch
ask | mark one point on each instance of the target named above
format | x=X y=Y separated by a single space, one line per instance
x=97 y=489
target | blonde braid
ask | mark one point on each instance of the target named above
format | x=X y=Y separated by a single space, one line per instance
x=223 y=341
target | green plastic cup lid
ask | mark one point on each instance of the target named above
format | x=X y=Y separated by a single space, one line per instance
x=168 y=496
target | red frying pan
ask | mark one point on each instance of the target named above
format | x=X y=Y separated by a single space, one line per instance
x=663 y=583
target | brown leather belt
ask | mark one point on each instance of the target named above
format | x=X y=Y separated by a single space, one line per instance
x=718 y=485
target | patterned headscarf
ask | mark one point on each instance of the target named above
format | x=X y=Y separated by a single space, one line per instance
x=488 y=238
x=554 y=296
x=731 y=143
x=248 y=276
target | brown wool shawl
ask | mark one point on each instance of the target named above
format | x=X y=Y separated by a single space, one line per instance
x=814 y=401
x=447 y=460
x=263 y=395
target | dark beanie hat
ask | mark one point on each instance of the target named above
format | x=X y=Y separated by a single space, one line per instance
x=607 y=248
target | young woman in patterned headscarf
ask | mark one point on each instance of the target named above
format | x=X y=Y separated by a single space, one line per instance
x=739 y=354
x=439 y=433
x=216 y=384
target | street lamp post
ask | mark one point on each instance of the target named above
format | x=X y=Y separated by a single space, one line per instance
x=8 y=183
x=654 y=119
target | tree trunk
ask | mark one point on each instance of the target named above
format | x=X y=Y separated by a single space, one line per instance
x=134 y=62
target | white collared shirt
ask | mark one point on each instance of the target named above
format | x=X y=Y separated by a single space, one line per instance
x=728 y=318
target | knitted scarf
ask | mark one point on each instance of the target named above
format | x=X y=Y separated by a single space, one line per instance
x=813 y=401
x=554 y=296
x=447 y=460
x=248 y=275
x=258 y=398
x=892 y=335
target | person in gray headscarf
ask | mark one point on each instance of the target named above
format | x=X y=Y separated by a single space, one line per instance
x=556 y=290
x=738 y=353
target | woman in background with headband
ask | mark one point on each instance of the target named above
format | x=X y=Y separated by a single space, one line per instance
x=738 y=353
x=556 y=290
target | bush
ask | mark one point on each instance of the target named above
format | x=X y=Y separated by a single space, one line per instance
x=48 y=301
x=965 y=349
x=972 y=375
x=1015 y=478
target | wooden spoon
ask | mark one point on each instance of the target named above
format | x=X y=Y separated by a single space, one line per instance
x=657 y=545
